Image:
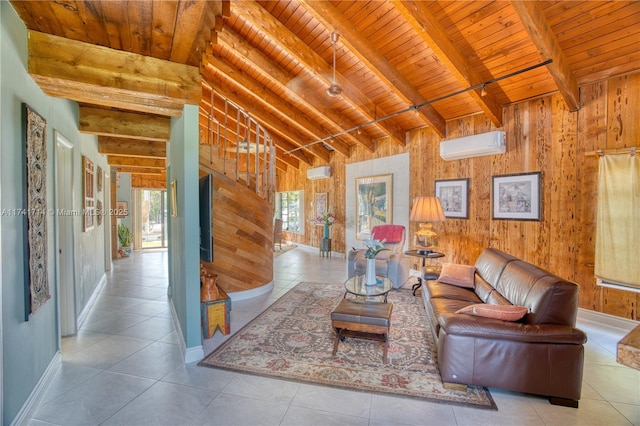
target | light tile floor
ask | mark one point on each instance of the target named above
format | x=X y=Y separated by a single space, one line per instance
x=124 y=367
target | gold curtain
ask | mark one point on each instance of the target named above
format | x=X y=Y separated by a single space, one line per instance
x=618 y=220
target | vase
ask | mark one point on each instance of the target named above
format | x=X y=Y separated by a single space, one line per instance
x=370 y=275
x=326 y=232
x=208 y=288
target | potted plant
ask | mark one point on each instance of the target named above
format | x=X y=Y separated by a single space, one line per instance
x=125 y=236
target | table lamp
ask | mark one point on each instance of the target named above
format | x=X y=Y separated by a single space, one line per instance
x=426 y=210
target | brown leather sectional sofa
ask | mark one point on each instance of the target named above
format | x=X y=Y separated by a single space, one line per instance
x=542 y=353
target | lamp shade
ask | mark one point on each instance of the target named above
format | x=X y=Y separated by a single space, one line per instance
x=427 y=209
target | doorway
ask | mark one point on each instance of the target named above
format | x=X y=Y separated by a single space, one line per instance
x=153 y=218
x=63 y=224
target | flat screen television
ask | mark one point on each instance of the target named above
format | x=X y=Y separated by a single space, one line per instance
x=206 y=218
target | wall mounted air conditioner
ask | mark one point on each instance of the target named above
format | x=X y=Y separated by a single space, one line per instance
x=474 y=146
x=319 y=173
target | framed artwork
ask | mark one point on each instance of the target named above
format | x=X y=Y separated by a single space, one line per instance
x=454 y=197
x=99 y=212
x=99 y=179
x=373 y=203
x=174 y=199
x=122 y=209
x=517 y=196
x=88 y=194
x=321 y=204
x=36 y=283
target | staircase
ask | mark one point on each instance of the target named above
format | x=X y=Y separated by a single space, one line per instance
x=240 y=156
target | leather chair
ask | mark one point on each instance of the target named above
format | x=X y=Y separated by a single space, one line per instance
x=392 y=263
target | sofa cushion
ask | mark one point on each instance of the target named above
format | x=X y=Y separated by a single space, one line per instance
x=500 y=312
x=490 y=264
x=460 y=275
x=438 y=290
x=550 y=299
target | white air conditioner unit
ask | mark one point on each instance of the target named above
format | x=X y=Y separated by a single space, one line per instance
x=474 y=146
x=319 y=173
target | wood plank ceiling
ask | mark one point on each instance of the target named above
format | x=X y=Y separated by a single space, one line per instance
x=400 y=65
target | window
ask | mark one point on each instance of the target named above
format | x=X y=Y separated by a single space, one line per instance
x=290 y=208
x=617 y=231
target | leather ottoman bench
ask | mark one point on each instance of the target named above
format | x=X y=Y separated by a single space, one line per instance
x=365 y=320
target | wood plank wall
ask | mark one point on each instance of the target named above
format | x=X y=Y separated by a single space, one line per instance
x=242 y=235
x=542 y=135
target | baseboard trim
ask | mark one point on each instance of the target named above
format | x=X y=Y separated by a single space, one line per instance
x=85 y=311
x=251 y=293
x=331 y=253
x=26 y=412
x=607 y=320
x=193 y=354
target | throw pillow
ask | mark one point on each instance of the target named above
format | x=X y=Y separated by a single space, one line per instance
x=501 y=312
x=460 y=275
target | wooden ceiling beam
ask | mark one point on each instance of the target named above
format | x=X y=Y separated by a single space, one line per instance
x=256 y=16
x=274 y=73
x=369 y=55
x=417 y=14
x=98 y=75
x=149 y=182
x=542 y=36
x=281 y=164
x=99 y=121
x=270 y=119
x=186 y=37
x=269 y=101
x=126 y=161
x=131 y=147
x=139 y=170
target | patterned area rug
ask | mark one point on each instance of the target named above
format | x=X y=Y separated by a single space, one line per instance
x=293 y=339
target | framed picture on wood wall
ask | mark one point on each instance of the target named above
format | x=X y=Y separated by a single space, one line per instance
x=373 y=203
x=454 y=197
x=517 y=197
x=321 y=204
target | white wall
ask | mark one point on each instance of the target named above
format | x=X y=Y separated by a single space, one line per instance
x=398 y=167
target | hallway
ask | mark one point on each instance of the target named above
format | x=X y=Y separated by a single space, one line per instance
x=125 y=367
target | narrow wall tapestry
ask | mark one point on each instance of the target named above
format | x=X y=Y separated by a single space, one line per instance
x=35 y=219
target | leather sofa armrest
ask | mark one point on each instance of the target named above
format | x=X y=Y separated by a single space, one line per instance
x=488 y=328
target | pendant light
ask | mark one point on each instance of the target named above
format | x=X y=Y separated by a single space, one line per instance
x=334 y=90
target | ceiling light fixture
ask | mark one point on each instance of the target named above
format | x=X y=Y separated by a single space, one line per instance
x=334 y=90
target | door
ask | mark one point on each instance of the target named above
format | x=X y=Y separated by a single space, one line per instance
x=153 y=215
x=63 y=224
